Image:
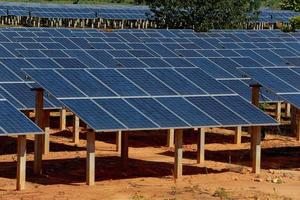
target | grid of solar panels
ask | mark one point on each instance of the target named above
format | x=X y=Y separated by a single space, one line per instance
x=139 y=99
x=280 y=80
x=219 y=53
x=13 y=122
x=74 y=11
x=273 y=16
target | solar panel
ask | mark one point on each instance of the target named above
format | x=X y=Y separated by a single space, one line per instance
x=13 y=122
x=279 y=80
x=158 y=98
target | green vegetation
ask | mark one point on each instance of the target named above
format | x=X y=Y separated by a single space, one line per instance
x=201 y=15
x=275 y=4
x=290 y=5
x=222 y=194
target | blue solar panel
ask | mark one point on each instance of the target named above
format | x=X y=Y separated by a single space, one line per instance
x=14 y=122
x=69 y=63
x=220 y=112
x=61 y=88
x=178 y=62
x=244 y=109
x=177 y=82
x=54 y=53
x=85 y=58
x=125 y=113
x=155 y=62
x=204 y=81
x=228 y=65
x=42 y=63
x=81 y=80
x=161 y=50
x=210 y=67
x=147 y=82
x=156 y=112
x=93 y=114
x=292 y=98
x=269 y=80
x=190 y=113
x=117 y=83
x=7 y=75
x=286 y=75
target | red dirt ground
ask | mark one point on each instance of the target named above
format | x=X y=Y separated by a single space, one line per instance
x=225 y=175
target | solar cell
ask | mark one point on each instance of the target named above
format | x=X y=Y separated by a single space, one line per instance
x=156 y=112
x=14 y=122
x=125 y=113
x=93 y=114
x=221 y=113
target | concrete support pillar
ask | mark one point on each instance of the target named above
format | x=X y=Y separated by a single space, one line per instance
x=278 y=111
x=63 y=116
x=178 y=154
x=124 y=149
x=46 y=137
x=298 y=125
x=201 y=146
x=21 y=162
x=287 y=110
x=76 y=129
x=170 y=138
x=238 y=135
x=38 y=139
x=118 y=141
x=90 y=159
x=255 y=134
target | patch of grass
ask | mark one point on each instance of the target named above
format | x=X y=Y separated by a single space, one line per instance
x=222 y=194
x=137 y=196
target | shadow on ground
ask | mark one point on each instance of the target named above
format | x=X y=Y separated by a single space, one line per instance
x=71 y=171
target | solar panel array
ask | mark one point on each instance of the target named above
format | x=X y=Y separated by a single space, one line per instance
x=13 y=122
x=156 y=98
x=218 y=53
x=281 y=80
x=73 y=11
x=273 y=16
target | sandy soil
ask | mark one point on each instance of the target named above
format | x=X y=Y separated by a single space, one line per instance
x=225 y=174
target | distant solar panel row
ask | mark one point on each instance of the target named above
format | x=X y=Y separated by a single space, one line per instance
x=74 y=11
x=273 y=16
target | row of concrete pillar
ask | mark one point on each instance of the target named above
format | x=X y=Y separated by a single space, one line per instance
x=41 y=144
x=77 y=23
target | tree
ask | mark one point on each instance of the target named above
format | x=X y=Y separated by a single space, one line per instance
x=290 y=5
x=200 y=15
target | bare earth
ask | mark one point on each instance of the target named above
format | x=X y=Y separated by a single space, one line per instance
x=225 y=175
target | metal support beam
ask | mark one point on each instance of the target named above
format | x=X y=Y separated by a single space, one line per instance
x=90 y=159
x=178 y=154
x=201 y=146
x=21 y=163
